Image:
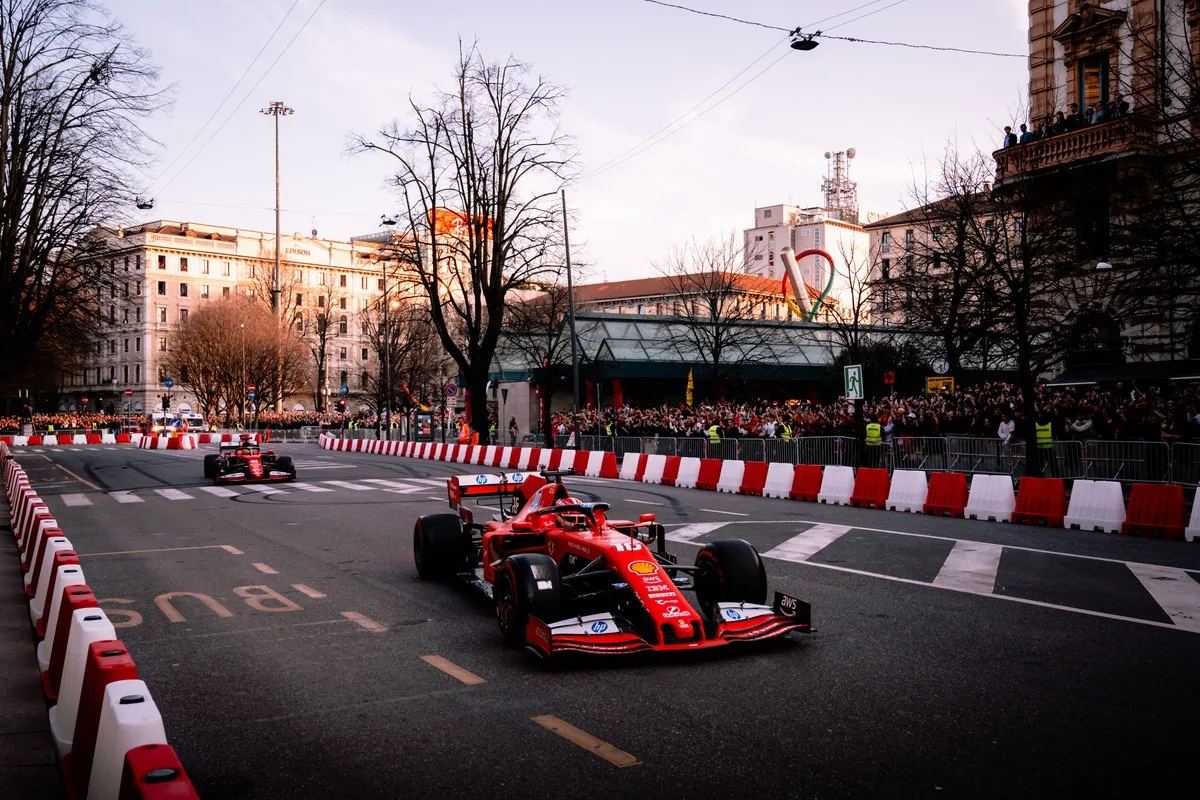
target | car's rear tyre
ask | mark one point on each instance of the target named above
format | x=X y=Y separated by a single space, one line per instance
x=210 y=465
x=284 y=464
x=440 y=546
x=729 y=571
x=526 y=585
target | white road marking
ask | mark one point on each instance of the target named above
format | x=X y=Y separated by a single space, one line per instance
x=331 y=466
x=364 y=622
x=805 y=545
x=173 y=494
x=439 y=482
x=970 y=567
x=75 y=449
x=37 y=450
x=730 y=513
x=640 y=502
x=265 y=488
x=74 y=500
x=307 y=590
x=308 y=487
x=692 y=532
x=352 y=486
x=263 y=568
x=219 y=491
x=125 y=497
x=56 y=449
x=394 y=486
x=1174 y=590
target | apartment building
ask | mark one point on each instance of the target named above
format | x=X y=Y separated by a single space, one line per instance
x=153 y=275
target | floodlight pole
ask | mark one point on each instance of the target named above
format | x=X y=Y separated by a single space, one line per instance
x=571 y=322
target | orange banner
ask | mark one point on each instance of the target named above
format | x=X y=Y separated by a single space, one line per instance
x=454 y=223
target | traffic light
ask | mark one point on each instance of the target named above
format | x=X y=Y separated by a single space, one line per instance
x=166 y=402
x=341 y=405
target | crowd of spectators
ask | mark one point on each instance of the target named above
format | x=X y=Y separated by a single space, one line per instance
x=1073 y=119
x=82 y=422
x=989 y=410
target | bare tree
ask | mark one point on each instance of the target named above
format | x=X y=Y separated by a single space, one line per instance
x=478 y=171
x=536 y=334
x=725 y=320
x=74 y=90
x=414 y=359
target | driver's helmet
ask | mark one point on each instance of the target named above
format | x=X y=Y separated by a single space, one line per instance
x=247 y=439
x=570 y=521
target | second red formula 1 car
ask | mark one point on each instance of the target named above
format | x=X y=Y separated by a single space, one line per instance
x=565 y=578
x=246 y=462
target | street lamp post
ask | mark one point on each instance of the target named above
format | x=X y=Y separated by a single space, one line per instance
x=571 y=319
x=277 y=109
x=242 y=404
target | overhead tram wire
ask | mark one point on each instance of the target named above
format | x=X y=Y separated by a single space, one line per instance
x=261 y=78
x=870 y=13
x=225 y=99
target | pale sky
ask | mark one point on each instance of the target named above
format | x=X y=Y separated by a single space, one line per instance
x=631 y=68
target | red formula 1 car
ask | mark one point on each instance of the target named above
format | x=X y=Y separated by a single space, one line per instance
x=565 y=578
x=246 y=462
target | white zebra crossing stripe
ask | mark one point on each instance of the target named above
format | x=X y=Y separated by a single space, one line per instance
x=74 y=500
x=347 y=485
x=75 y=449
x=1174 y=590
x=970 y=567
x=308 y=487
x=173 y=494
x=219 y=491
x=265 y=488
x=439 y=482
x=125 y=497
x=393 y=486
x=689 y=533
x=807 y=544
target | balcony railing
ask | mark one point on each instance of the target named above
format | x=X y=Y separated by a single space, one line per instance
x=194 y=242
x=1091 y=141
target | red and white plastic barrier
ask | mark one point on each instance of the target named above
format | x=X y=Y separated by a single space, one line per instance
x=186 y=441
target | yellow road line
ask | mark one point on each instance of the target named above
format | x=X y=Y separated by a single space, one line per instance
x=231 y=549
x=81 y=480
x=453 y=670
x=308 y=590
x=618 y=758
x=364 y=622
x=263 y=568
x=156 y=550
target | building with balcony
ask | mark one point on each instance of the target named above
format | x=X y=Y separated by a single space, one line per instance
x=153 y=275
x=1113 y=107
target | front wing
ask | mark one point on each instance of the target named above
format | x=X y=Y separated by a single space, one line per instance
x=267 y=476
x=603 y=634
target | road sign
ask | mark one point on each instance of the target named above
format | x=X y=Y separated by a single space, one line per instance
x=935 y=385
x=129 y=392
x=889 y=378
x=84 y=399
x=854 y=381
x=251 y=388
x=169 y=383
x=451 y=389
x=250 y=394
x=343 y=390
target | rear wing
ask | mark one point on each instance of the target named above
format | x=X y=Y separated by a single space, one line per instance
x=503 y=484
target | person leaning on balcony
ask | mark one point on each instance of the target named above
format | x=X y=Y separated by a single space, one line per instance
x=1059 y=125
x=1025 y=136
x=1010 y=138
x=1074 y=120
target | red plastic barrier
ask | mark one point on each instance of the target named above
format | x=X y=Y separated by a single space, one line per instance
x=497 y=456
x=871 y=487
x=806 y=483
x=123 y=438
x=581 y=461
x=35 y=566
x=754 y=478
x=93 y=438
x=73 y=598
x=514 y=457
x=535 y=455
x=1156 y=509
x=670 y=470
x=65 y=438
x=7 y=440
x=107 y=661
x=61 y=559
x=556 y=457
x=710 y=474
x=1041 y=500
x=947 y=494
x=608 y=466
x=153 y=772
x=640 y=473
x=31 y=539
x=35 y=440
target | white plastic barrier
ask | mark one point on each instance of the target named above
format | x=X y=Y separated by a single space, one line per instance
x=488 y=454
x=730 y=479
x=128 y=719
x=20 y=441
x=1096 y=506
x=523 y=458
x=655 y=465
x=543 y=458
x=54 y=545
x=689 y=473
x=87 y=625
x=837 y=486
x=39 y=527
x=1193 y=529
x=779 y=480
x=108 y=438
x=595 y=464
x=629 y=465
x=505 y=456
x=908 y=492
x=68 y=575
x=991 y=498
x=79 y=438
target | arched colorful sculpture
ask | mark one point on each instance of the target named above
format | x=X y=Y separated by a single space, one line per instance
x=799 y=289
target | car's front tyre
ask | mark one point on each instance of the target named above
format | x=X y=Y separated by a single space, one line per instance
x=527 y=584
x=210 y=465
x=729 y=571
x=284 y=464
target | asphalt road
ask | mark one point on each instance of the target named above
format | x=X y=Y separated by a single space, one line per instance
x=282 y=634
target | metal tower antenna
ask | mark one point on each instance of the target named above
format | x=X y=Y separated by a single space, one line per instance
x=841 y=193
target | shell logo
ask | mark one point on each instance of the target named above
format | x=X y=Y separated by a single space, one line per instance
x=643 y=567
